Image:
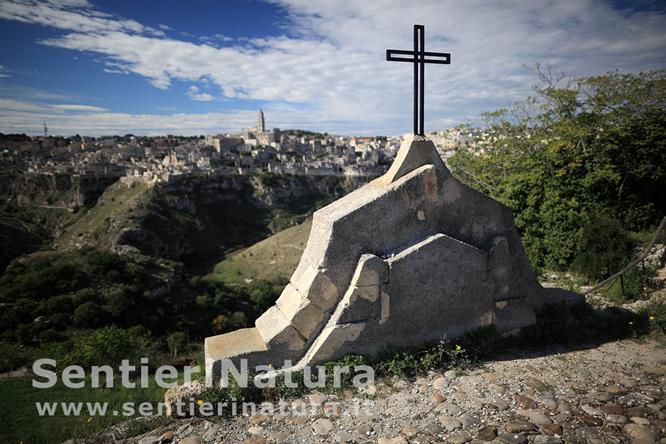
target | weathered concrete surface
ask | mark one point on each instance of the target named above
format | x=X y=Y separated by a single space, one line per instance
x=412 y=257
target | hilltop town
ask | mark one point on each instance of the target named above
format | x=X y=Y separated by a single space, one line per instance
x=160 y=159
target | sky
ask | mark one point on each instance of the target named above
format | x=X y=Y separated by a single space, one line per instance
x=176 y=67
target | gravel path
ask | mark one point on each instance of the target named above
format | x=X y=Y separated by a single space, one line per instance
x=613 y=393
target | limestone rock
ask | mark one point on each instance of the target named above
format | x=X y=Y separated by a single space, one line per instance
x=183 y=393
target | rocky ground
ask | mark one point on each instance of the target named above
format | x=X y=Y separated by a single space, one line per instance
x=614 y=393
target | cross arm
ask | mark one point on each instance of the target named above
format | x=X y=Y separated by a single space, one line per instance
x=442 y=58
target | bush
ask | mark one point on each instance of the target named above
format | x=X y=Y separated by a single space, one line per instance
x=107 y=346
x=262 y=294
x=13 y=356
x=88 y=314
x=603 y=248
x=84 y=295
x=223 y=323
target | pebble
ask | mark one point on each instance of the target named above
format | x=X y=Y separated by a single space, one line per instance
x=192 y=439
x=459 y=438
x=438 y=398
x=322 y=426
x=468 y=420
x=433 y=428
x=487 y=433
x=640 y=420
x=638 y=411
x=524 y=402
x=409 y=431
x=167 y=436
x=453 y=409
x=449 y=422
x=589 y=420
x=535 y=416
x=258 y=419
x=500 y=405
x=593 y=411
x=363 y=430
x=640 y=432
x=440 y=384
x=552 y=429
x=281 y=437
x=612 y=409
x=549 y=404
x=450 y=374
x=149 y=440
x=616 y=419
x=519 y=426
x=332 y=409
x=512 y=438
x=395 y=440
x=317 y=399
x=255 y=430
x=545 y=439
x=343 y=437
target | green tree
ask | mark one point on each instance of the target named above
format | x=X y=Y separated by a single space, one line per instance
x=577 y=147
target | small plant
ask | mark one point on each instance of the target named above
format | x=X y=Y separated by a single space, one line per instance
x=655 y=313
x=631 y=286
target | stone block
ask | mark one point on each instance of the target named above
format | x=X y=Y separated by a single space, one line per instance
x=305 y=316
x=317 y=287
x=276 y=330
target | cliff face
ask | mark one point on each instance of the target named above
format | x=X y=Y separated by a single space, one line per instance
x=61 y=190
x=197 y=217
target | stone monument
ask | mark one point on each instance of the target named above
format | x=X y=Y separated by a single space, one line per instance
x=413 y=257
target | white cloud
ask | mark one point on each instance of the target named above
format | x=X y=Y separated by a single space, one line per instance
x=17 y=105
x=194 y=94
x=75 y=107
x=3 y=72
x=330 y=68
x=69 y=15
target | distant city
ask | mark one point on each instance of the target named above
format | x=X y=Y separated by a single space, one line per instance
x=160 y=159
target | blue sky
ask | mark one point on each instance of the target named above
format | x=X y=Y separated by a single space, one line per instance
x=103 y=67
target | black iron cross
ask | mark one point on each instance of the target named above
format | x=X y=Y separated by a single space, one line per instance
x=418 y=59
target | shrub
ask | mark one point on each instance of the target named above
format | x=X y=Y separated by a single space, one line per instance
x=223 y=323
x=177 y=342
x=13 y=356
x=107 y=346
x=84 y=295
x=655 y=313
x=88 y=314
x=603 y=248
x=262 y=294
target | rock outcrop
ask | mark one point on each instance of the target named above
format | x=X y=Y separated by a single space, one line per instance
x=412 y=257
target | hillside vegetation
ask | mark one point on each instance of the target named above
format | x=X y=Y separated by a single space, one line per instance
x=274 y=258
x=113 y=211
